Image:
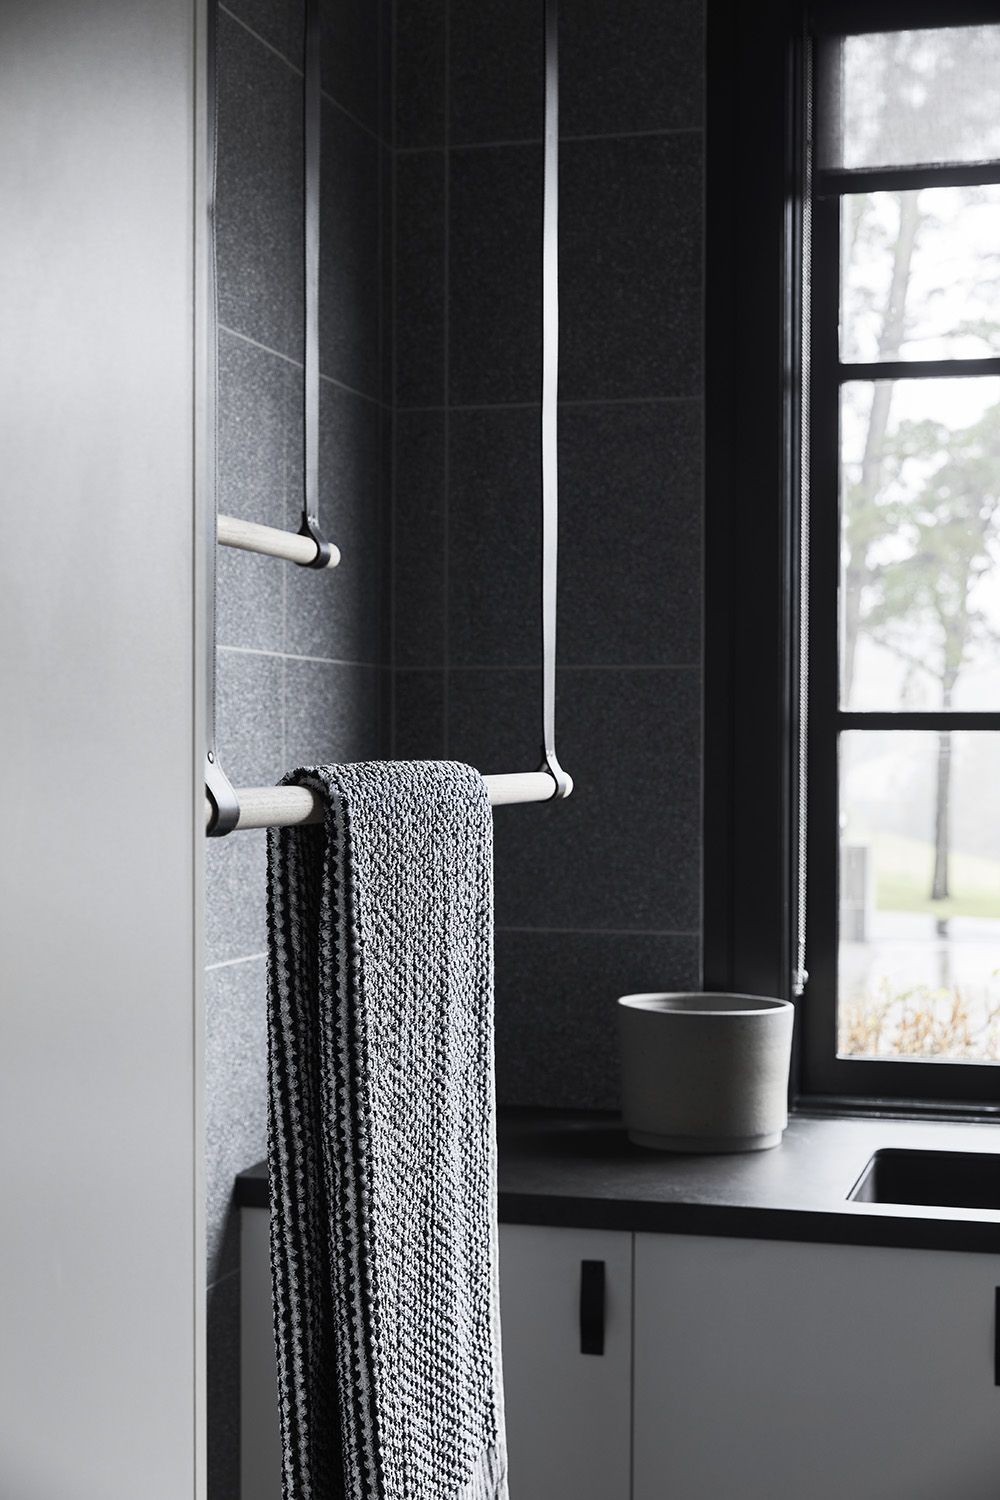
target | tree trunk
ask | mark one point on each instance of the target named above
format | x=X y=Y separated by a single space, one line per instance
x=939 y=888
x=890 y=339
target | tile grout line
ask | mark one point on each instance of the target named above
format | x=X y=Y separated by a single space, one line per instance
x=228 y=963
x=631 y=932
x=567 y=401
x=297 y=70
x=326 y=661
x=666 y=133
x=341 y=385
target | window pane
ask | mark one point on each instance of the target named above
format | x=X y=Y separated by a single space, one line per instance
x=899 y=98
x=920 y=545
x=919 y=949
x=921 y=274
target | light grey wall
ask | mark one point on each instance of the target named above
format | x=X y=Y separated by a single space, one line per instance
x=100 y=1022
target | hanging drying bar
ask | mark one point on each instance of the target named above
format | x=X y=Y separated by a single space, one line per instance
x=227 y=809
x=293 y=546
x=292 y=806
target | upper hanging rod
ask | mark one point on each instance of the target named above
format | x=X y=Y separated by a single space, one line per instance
x=291 y=806
x=294 y=546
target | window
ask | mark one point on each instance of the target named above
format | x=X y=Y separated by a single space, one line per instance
x=853 y=550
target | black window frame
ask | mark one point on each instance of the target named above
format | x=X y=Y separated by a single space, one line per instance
x=756 y=216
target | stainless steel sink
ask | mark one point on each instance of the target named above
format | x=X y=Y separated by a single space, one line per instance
x=942 y=1179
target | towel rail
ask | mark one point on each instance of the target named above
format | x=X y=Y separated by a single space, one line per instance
x=291 y=545
x=291 y=806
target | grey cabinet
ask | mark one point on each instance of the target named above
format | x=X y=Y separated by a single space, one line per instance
x=772 y=1371
x=568 y=1412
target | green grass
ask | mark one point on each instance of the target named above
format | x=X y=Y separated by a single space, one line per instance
x=903 y=871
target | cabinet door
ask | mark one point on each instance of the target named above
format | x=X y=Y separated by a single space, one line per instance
x=260 y=1432
x=773 y=1371
x=568 y=1412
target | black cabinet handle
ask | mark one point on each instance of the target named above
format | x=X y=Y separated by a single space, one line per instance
x=592 y=1307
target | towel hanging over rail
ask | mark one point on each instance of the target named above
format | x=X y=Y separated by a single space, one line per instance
x=261 y=807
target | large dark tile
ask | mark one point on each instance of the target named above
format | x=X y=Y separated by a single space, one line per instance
x=497 y=70
x=419 y=558
x=624 y=852
x=631 y=267
x=350 y=42
x=259 y=191
x=350 y=275
x=235 y=1096
x=333 y=714
x=223 y=1388
x=420 y=271
x=494 y=538
x=420 y=92
x=630 y=497
x=338 y=613
x=495 y=275
x=279 y=22
x=556 y=1027
x=634 y=65
x=495 y=720
x=419 y=716
x=235 y=895
x=248 y=709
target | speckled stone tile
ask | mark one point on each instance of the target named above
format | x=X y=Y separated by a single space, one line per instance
x=235 y=896
x=248 y=696
x=630 y=296
x=419 y=318
x=630 y=522
x=635 y=65
x=419 y=560
x=350 y=251
x=419 y=83
x=494 y=538
x=419 y=706
x=624 y=851
x=350 y=43
x=495 y=265
x=556 y=1027
x=339 y=613
x=259 y=191
x=333 y=714
x=280 y=23
x=497 y=70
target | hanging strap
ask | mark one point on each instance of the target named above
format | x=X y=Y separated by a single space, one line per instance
x=310 y=383
x=550 y=392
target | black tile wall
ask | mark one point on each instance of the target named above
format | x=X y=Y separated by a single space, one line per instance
x=630 y=267
x=599 y=895
x=419 y=585
x=637 y=65
x=494 y=274
x=419 y=83
x=419 y=303
x=350 y=267
x=556 y=1028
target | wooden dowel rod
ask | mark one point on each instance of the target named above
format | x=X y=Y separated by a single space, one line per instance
x=249 y=537
x=290 y=806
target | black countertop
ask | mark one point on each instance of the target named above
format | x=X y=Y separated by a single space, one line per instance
x=581 y=1170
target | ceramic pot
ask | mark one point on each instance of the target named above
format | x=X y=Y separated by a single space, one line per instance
x=705 y=1072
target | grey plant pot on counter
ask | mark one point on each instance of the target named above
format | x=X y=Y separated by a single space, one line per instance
x=705 y=1072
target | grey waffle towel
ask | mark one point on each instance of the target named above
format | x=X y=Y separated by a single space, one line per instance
x=382 y=1138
